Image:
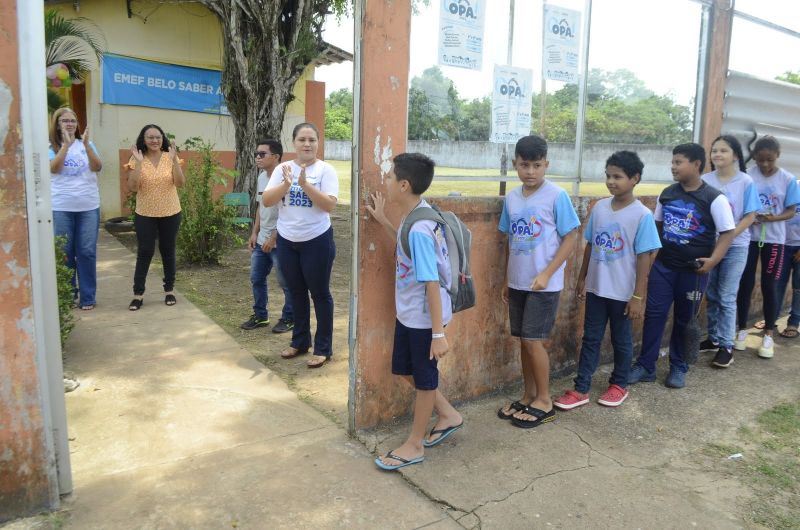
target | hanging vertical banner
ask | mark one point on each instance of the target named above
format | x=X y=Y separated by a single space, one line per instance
x=461 y=33
x=511 y=104
x=561 y=43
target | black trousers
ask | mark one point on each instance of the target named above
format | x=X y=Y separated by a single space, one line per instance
x=148 y=229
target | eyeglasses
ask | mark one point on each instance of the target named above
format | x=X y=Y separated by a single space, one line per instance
x=68 y=121
x=262 y=154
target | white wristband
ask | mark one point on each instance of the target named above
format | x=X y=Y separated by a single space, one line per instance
x=437 y=335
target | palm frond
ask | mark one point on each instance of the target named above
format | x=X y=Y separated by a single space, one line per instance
x=76 y=42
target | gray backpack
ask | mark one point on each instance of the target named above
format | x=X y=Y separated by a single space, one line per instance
x=459 y=244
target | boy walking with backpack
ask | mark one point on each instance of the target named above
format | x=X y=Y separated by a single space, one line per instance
x=621 y=237
x=422 y=300
x=689 y=215
x=542 y=228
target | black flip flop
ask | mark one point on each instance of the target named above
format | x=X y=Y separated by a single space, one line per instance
x=135 y=304
x=515 y=407
x=540 y=415
x=170 y=299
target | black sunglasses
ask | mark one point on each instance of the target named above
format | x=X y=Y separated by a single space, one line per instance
x=262 y=154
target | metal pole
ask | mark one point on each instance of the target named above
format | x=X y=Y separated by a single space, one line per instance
x=33 y=114
x=509 y=59
x=703 y=57
x=581 y=126
x=355 y=202
x=543 y=93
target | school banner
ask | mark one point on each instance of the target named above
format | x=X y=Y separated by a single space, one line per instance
x=461 y=33
x=561 y=43
x=128 y=81
x=511 y=104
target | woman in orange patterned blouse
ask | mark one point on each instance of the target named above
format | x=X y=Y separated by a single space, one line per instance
x=154 y=173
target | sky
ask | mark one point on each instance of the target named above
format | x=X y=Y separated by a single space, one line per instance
x=656 y=39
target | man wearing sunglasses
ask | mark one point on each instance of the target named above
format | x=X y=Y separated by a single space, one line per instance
x=262 y=243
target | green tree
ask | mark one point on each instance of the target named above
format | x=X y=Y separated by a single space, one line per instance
x=266 y=47
x=339 y=115
x=790 y=77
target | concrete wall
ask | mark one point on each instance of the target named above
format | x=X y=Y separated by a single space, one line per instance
x=186 y=34
x=24 y=483
x=656 y=158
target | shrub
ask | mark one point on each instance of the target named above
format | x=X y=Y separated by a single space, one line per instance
x=66 y=293
x=206 y=232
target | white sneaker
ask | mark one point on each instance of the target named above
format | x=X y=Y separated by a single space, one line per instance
x=739 y=342
x=767 y=350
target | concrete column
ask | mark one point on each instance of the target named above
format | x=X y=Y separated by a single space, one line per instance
x=25 y=473
x=381 y=100
x=717 y=70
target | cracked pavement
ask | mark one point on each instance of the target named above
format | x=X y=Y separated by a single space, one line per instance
x=596 y=467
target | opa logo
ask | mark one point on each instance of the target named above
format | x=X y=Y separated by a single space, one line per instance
x=462 y=9
x=511 y=89
x=561 y=28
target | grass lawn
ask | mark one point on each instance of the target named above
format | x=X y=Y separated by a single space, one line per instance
x=481 y=189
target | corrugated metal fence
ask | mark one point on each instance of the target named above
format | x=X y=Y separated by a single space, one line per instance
x=756 y=107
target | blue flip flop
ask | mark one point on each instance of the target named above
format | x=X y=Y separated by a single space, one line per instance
x=403 y=462
x=444 y=434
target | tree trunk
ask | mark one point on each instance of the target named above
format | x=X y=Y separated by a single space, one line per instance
x=267 y=46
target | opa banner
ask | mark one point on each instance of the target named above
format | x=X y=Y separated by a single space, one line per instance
x=511 y=104
x=561 y=43
x=461 y=33
x=128 y=81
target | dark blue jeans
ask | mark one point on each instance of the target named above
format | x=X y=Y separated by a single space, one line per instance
x=80 y=229
x=598 y=312
x=771 y=256
x=307 y=265
x=790 y=268
x=666 y=287
x=261 y=264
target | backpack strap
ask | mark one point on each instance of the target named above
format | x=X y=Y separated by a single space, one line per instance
x=417 y=214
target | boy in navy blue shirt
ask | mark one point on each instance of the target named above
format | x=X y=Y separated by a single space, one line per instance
x=689 y=215
x=423 y=308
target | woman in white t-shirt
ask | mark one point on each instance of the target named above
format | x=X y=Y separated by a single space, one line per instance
x=306 y=191
x=76 y=200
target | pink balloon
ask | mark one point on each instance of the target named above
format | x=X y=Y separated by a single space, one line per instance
x=51 y=71
x=56 y=82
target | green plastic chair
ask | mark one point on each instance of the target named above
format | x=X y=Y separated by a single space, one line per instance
x=238 y=200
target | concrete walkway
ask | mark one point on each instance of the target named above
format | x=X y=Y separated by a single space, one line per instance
x=175 y=426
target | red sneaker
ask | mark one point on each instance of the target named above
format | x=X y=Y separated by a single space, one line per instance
x=571 y=399
x=613 y=397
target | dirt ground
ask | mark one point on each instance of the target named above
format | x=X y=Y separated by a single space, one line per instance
x=223 y=292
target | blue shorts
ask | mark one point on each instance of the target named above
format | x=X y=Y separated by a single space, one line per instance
x=412 y=356
x=532 y=314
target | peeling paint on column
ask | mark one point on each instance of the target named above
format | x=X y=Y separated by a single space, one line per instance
x=383 y=155
x=394 y=81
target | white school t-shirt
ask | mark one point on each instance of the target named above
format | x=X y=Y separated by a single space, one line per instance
x=617 y=238
x=775 y=194
x=742 y=196
x=299 y=219
x=535 y=226
x=268 y=215
x=428 y=262
x=74 y=188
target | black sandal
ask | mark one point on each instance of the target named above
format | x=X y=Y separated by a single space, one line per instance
x=135 y=304
x=170 y=299
x=515 y=407
x=539 y=416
